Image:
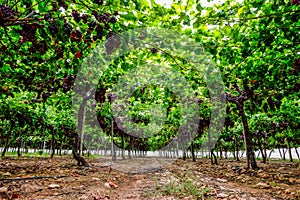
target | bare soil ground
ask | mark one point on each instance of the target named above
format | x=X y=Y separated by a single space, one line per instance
x=60 y=178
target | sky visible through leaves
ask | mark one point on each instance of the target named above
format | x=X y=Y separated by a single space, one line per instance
x=168 y=3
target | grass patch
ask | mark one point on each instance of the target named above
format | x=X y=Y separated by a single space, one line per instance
x=184 y=184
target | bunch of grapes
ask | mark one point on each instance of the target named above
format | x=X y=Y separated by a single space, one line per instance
x=75 y=36
x=84 y=18
x=99 y=32
x=53 y=28
x=68 y=83
x=104 y=18
x=68 y=28
x=54 y=5
x=153 y=50
x=113 y=19
x=295 y=2
x=48 y=17
x=113 y=42
x=91 y=26
x=6 y=12
x=76 y=15
x=61 y=3
x=99 y=2
x=28 y=32
x=100 y=95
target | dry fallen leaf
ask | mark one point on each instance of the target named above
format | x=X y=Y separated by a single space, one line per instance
x=53 y=186
x=96 y=197
x=3 y=189
x=112 y=184
x=15 y=196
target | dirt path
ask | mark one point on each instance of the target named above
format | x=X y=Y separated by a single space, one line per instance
x=144 y=187
x=60 y=178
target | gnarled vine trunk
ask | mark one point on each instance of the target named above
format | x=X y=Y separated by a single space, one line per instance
x=53 y=143
x=7 y=138
x=193 y=152
x=247 y=137
x=80 y=160
x=78 y=140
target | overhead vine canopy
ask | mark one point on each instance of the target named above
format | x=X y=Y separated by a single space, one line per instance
x=255 y=45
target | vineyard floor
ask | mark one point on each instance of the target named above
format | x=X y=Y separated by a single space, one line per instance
x=60 y=178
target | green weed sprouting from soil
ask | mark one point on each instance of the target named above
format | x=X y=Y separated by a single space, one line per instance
x=181 y=184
